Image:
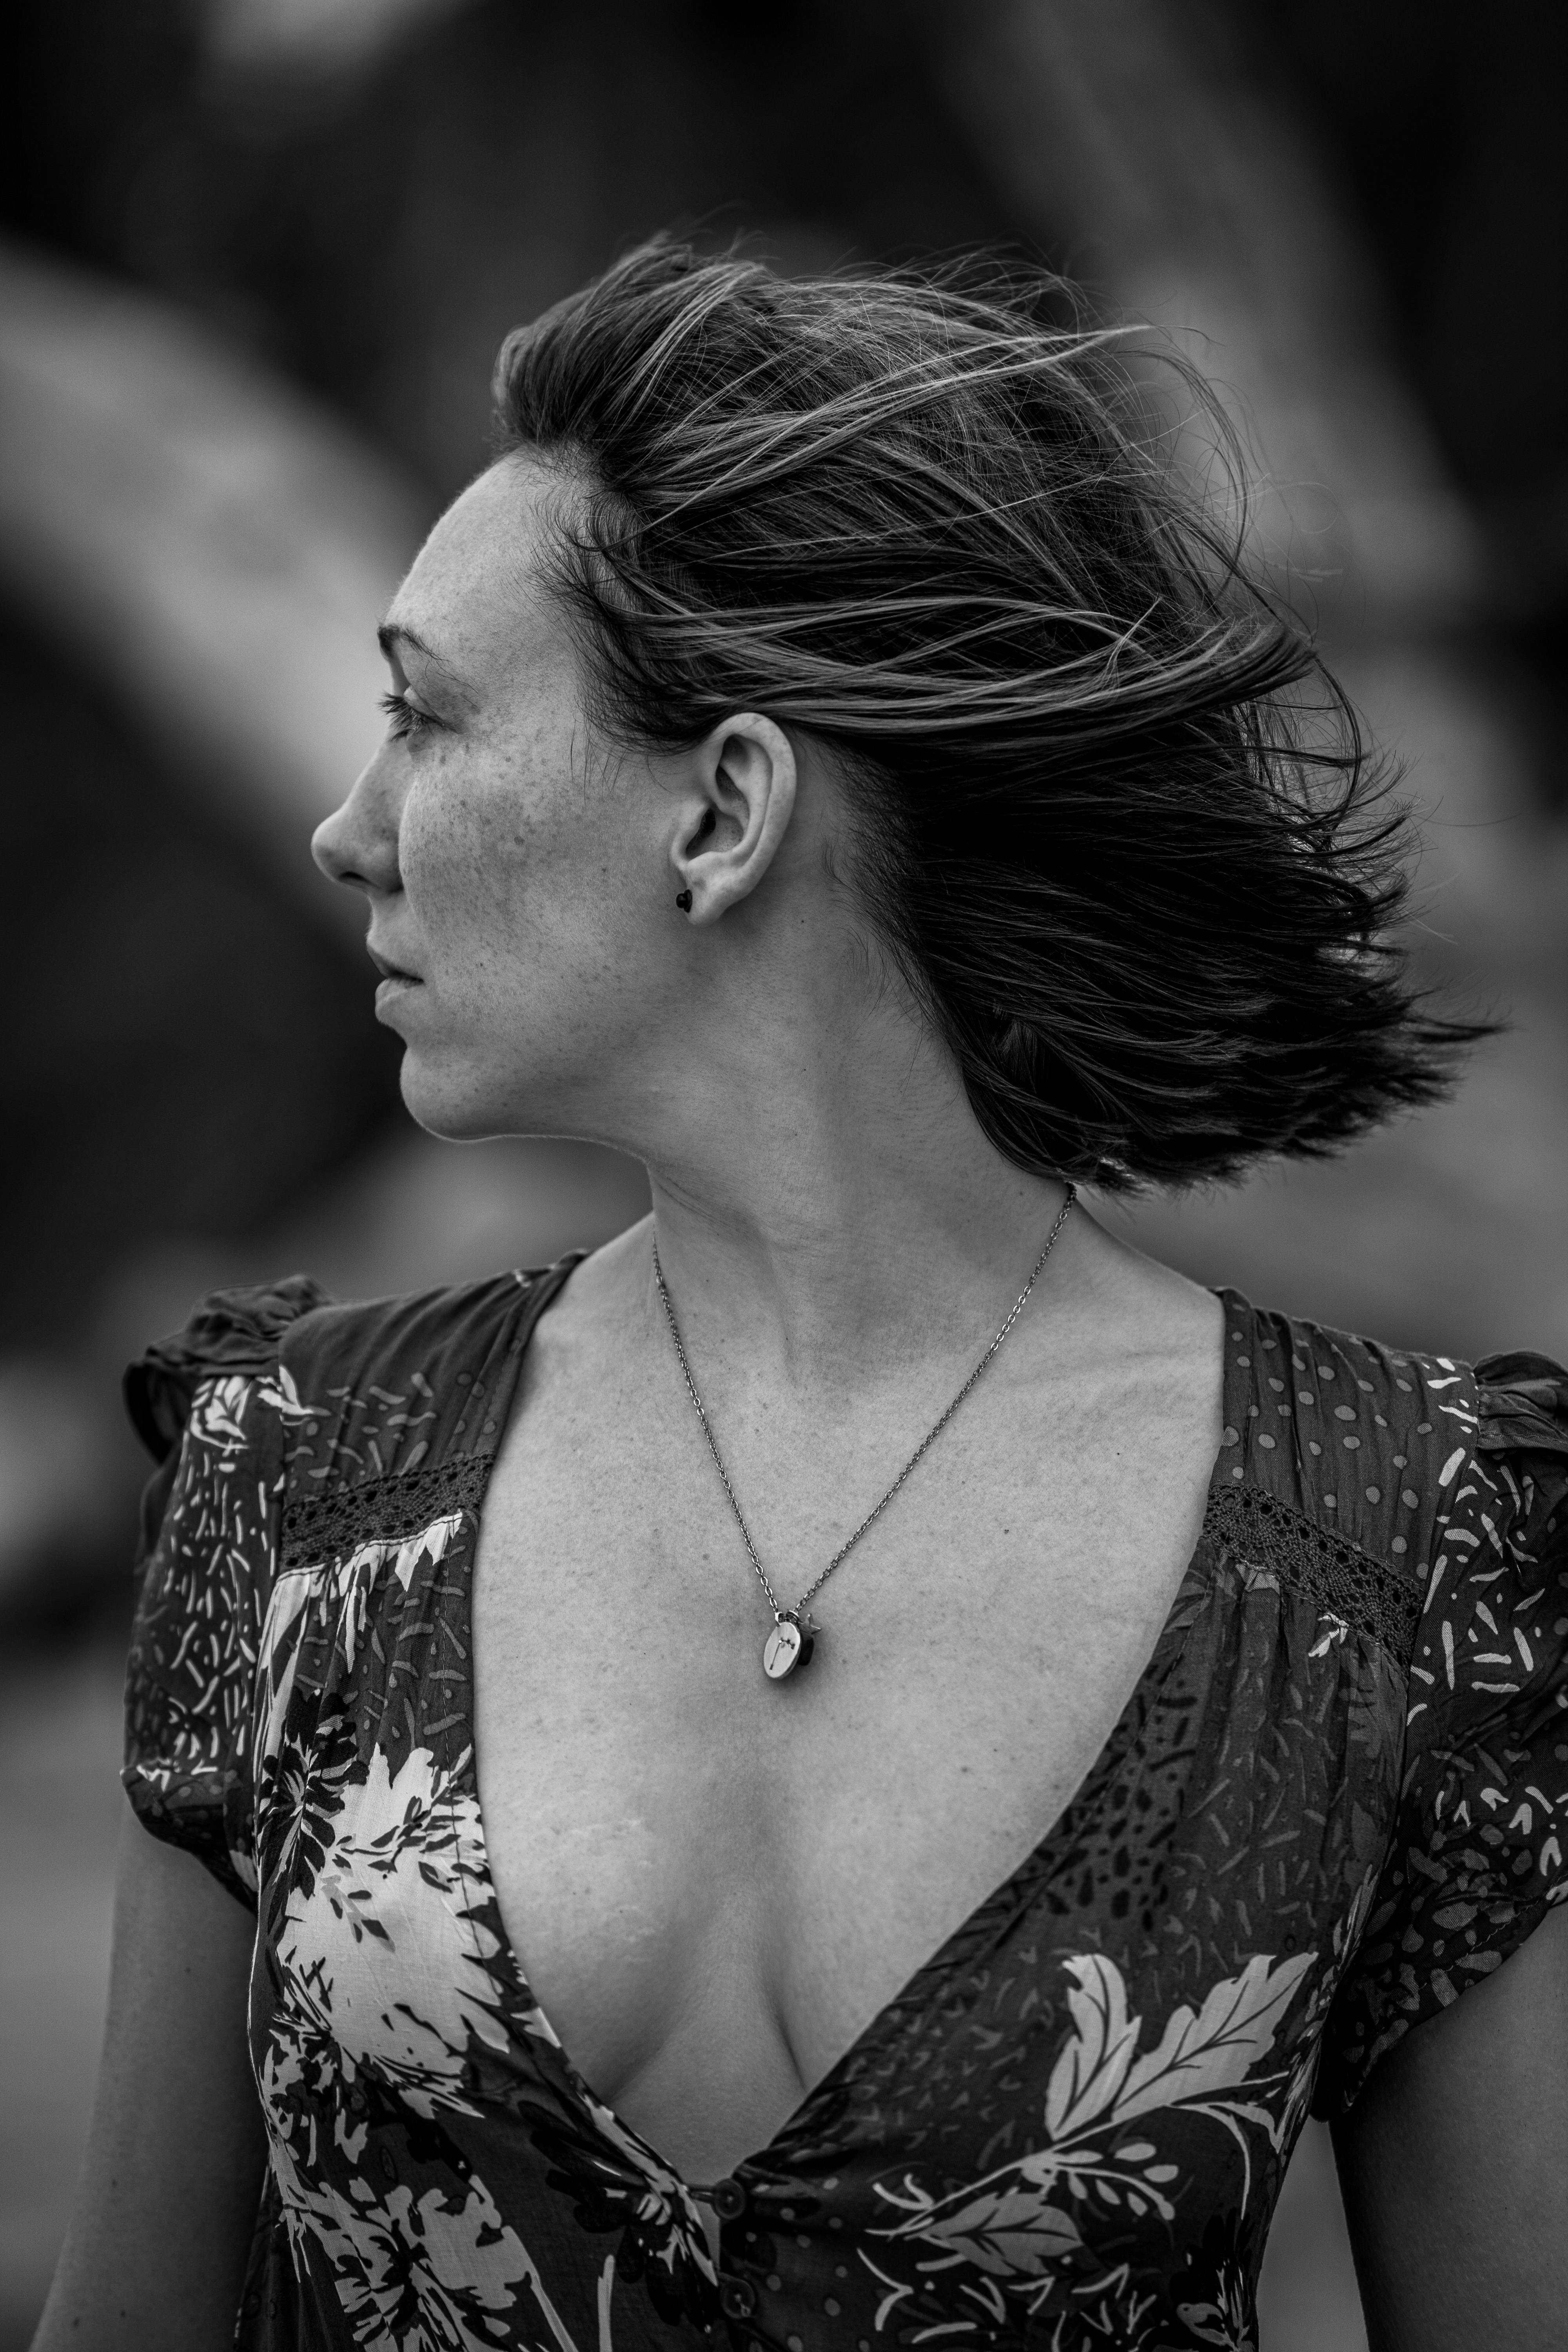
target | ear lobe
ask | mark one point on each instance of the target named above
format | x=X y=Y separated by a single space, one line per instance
x=748 y=778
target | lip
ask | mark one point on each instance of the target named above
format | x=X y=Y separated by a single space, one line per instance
x=392 y=972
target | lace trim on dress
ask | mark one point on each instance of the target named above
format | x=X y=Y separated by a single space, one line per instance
x=382 y=1510
x=1335 y=1573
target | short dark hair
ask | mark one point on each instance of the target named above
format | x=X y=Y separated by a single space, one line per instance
x=1141 y=881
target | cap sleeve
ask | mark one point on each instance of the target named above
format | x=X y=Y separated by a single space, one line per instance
x=1478 y=1852
x=211 y=1405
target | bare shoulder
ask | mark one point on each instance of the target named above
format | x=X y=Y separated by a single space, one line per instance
x=1128 y=1318
x=584 y=1368
x=604 y=1293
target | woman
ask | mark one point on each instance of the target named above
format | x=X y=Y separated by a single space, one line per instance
x=831 y=757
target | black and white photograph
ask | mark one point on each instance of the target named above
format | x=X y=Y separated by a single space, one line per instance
x=783 y=1428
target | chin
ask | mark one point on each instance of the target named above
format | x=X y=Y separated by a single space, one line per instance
x=460 y=1103
x=446 y=1102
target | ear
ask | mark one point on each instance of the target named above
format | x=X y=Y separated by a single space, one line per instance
x=740 y=797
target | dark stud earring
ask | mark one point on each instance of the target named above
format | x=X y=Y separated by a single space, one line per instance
x=683 y=900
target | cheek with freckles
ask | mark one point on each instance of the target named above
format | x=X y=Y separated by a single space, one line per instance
x=504 y=832
x=523 y=902
x=468 y=871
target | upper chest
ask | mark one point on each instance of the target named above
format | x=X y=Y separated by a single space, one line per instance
x=661 y=1816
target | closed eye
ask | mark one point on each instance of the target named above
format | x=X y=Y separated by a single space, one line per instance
x=405 y=717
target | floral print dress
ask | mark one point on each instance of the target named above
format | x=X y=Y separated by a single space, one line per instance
x=1336 y=1799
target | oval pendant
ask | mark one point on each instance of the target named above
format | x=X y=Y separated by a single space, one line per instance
x=789 y=1645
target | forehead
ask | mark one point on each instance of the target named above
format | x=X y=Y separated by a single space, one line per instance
x=474 y=594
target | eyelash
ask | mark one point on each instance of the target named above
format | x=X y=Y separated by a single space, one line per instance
x=406 y=719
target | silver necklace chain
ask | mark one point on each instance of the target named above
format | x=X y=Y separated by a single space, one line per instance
x=927 y=1441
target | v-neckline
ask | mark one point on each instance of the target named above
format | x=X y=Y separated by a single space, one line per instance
x=1167 y=1647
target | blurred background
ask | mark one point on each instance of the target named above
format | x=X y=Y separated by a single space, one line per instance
x=256 y=256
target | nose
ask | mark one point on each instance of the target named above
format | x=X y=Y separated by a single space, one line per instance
x=358 y=842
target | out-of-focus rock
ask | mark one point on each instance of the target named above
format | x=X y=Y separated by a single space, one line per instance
x=217 y=545
x=1136 y=134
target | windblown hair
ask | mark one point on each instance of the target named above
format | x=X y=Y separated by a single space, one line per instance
x=1112 y=820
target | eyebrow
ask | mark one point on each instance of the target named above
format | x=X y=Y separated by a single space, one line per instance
x=392 y=633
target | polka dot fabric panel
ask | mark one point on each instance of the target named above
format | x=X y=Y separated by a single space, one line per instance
x=1360 y=1438
x=1478 y=1851
x=1337 y=1796
x=1446 y=1486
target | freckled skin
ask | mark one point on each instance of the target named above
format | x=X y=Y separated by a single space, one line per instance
x=521 y=864
x=520 y=908
x=715 y=1882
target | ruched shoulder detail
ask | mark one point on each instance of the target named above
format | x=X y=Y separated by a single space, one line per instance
x=1477 y=1856
x=213 y=1404
x=288 y=1425
x=1523 y=1405
x=232 y=1332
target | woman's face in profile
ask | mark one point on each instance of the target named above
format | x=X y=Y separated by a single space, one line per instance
x=516 y=867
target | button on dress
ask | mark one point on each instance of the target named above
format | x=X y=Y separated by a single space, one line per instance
x=1337 y=1798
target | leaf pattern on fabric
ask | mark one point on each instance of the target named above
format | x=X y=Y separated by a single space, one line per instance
x=387 y=1970
x=1214 y=2049
x=1071 y=2128
x=1094 y=2062
x=1020 y=2223
x=1013 y=2232
x=616 y=2182
x=397 y=1979
x=1213 y=2297
x=431 y=2274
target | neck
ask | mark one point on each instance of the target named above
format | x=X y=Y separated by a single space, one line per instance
x=831 y=1199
